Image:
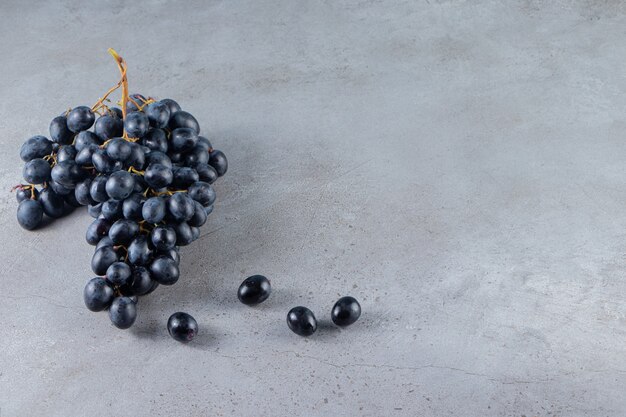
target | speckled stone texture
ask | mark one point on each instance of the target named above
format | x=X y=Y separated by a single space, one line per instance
x=458 y=167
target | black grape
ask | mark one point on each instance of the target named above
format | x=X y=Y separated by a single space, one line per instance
x=80 y=118
x=98 y=294
x=29 y=214
x=123 y=312
x=182 y=327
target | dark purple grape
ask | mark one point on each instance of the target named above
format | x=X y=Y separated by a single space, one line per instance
x=98 y=294
x=153 y=210
x=254 y=290
x=29 y=214
x=80 y=118
x=136 y=124
x=183 y=139
x=158 y=114
x=163 y=237
x=59 y=131
x=183 y=119
x=164 y=270
x=158 y=176
x=171 y=104
x=52 y=203
x=123 y=231
x=35 y=147
x=109 y=126
x=123 y=312
x=182 y=327
x=97 y=230
x=102 y=259
x=301 y=321
x=139 y=253
x=218 y=160
x=202 y=192
x=36 y=171
x=346 y=311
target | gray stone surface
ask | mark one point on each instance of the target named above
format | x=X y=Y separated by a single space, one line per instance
x=458 y=167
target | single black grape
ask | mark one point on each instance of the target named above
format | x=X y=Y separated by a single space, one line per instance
x=123 y=312
x=82 y=192
x=171 y=104
x=67 y=173
x=102 y=259
x=66 y=153
x=123 y=231
x=183 y=119
x=98 y=294
x=142 y=282
x=153 y=210
x=183 y=139
x=119 y=149
x=132 y=207
x=119 y=273
x=206 y=173
x=158 y=176
x=182 y=327
x=27 y=192
x=136 y=124
x=184 y=235
x=163 y=237
x=80 y=118
x=139 y=252
x=254 y=290
x=137 y=158
x=97 y=189
x=197 y=155
x=84 y=139
x=158 y=157
x=29 y=214
x=112 y=210
x=120 y=185
x=109 y=126
x=202 y=192
x=158 y=114
x=97 y=230
x=180 y=207
x=156 y=140
x=218 y=160
x=199 y=216
x=35 y=147
x=164 y=270
x=59 y=131
x=346 y=311
x=301 y=321
x=184 y=177
x=36 y=171
x=52 y=203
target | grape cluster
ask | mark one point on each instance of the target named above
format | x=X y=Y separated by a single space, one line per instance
x=146 y=179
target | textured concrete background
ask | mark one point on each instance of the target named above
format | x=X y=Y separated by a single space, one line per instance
x=458 y=167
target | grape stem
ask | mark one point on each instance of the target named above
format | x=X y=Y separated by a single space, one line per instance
x=123 y=83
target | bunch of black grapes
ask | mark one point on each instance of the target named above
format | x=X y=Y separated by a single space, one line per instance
x=146 y=180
